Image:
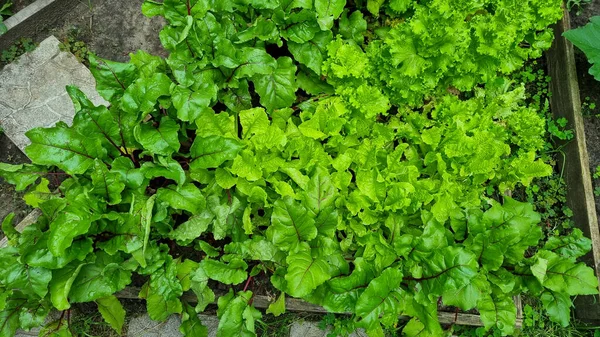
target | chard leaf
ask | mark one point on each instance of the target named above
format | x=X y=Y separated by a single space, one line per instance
x=163 y=140
x=382 y=296
x=278 y=89
x=498 y=311
x=112 y=78
x=61 y=283
x=558 y=306
x=564 y=275
x=101 y=278
x=64 y=148
x=190 y=323
x=290 y=224
x=22 y=176
x=193 y=228
x=586 y=39
x=320 y=193
x=112 y=311
x=305 y=273
x=163 y=291
x=233 y=272
x=190 y=104
x=70 y=223
x=187 y=197
x=212 y=151
x=107 y=185
x=236 y=316
x=327 y=11
x=277 y=307
x=143 y=94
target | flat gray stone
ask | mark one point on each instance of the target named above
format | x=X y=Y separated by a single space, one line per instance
x=311 y=329
x=32 y=90
x=143 y=326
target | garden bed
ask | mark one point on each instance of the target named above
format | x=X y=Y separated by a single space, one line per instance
x=571 y=84
x=448 y=317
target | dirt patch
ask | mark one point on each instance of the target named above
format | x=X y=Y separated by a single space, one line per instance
x=10 y=200
x=589 y=90
x=17 y=5
x=111 y=28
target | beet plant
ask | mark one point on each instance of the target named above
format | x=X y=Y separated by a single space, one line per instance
x=353 y=153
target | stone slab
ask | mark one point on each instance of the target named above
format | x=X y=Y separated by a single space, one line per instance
x=32 y=90
x=143 y=326
x=311 y=329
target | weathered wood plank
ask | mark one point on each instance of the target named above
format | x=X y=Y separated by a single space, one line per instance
x=296 y=305
x=566 y=102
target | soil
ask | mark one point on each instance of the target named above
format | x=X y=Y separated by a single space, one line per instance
x=10 y=200
x=112 y=29
x=589 y=87
x=17 y=5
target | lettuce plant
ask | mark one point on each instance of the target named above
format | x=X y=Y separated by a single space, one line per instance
x=342 y=150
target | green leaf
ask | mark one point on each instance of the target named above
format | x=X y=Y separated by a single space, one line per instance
x=277 y=307
x=112 y=78
x=166 y=167
x=255 y=61
x=586 y=38
x=374 y=5
x=254 y=122
x=99 y=122
x=212 y=151
x=163 y=140
x=290 y=224
x=63 y=148
x=70 y=223
x=327 y=11
x=107 y=185
x=563 y=275
x=8 y=227
x=112 y=311
x=558 y=306
x=102 y=278
x=163 y=292
x=192 y=228
x=233 y=272
x=39 y=195
x=305 y=273
x=130 y=175
x=143 y=94
x=187 y=197
x=236 y=316
x=320 y=192
x=190 y=104
x=353 y=27
x=20 y=175
x=382 y=296
x=278 y=89
x=498 y=311
x=61 y=283
x=313 y=53
x=190 y=323
x=56 y=329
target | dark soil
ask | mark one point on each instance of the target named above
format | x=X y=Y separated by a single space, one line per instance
x=111 y=29
x=10 y=200
x=17 y=5
x=589 y=88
